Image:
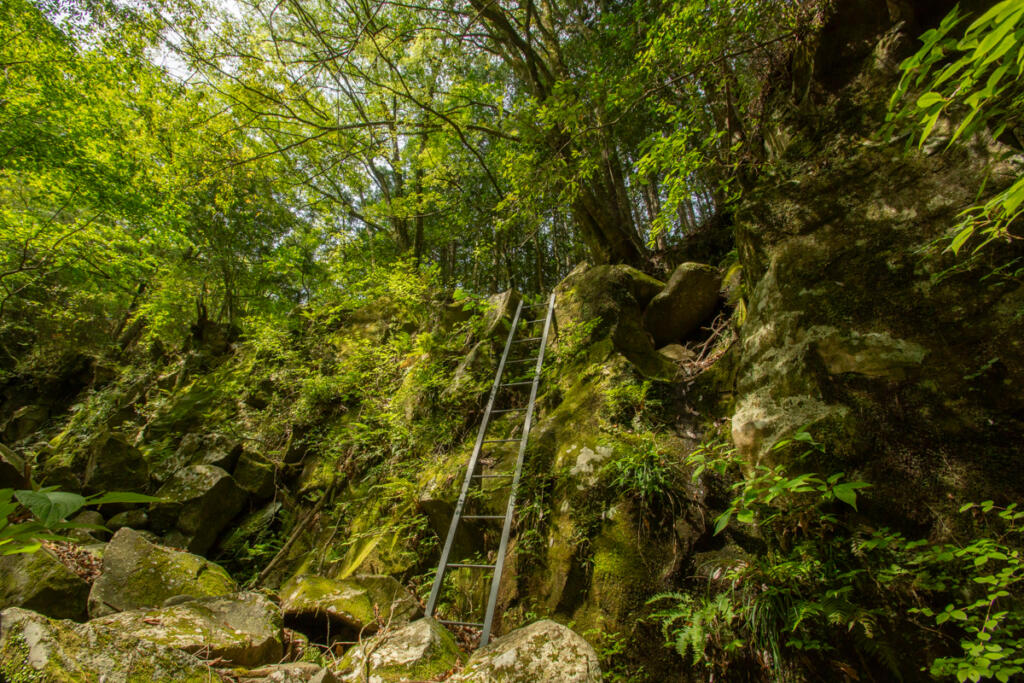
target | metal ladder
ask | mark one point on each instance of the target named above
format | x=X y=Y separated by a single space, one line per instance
x=473 y=476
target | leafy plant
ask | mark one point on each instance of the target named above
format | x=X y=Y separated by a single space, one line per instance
x=977 y=81
x=49 y=510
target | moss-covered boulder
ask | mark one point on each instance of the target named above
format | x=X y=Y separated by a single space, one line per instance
x=35 y=649
x=12 y=470
x=138 y=574
x=24 y=422
x=198 y=502
x=255 y=474
x=689 y=299
x=542 y=651
x=354 y=602
x=115 y=465
x=40 y=582
x=290 y=672
x=422 y=650
x=243 y=629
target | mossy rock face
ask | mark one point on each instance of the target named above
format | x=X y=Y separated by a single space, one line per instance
x=291 y=672
x=138 y=574
x=243 y=629
x=255 y=474
x=422 y=650
x=116 y=465
x=350 y=601
x=12 y=470
x=198 y=501
x=689 y=299
x=35 y=649
x=542 y=651
x=39 y=581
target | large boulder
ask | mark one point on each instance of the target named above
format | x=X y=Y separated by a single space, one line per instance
x=116 y=465
x=12 y=470
x=255 y=474
x=353 y=603
x=689 y=299
x=34 y=648
x=198 y=502
x=291 y=672
x=419 y=651
x=543 y=652
x=39 y=581
x=24 y=421
x=243 y=629
x=138 y=574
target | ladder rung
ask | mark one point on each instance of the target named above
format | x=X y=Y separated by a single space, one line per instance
x=458 y=565
x=502 y=440
x=521 y=360
x=459 y=623
x=491 y=476
x=483 y=516
x=515 y=384
x=538 y=320
x=509 y=410
x=528 y=339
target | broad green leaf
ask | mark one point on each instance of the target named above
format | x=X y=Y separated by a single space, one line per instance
x=50 y=507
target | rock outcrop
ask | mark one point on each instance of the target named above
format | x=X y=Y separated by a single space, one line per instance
x=689 y=298
x=138 y=574
x=421 y=650
x=35 y=648
x=242 y=629
x=353 y=603
x=198 y=503
x=543 y=652
x=39 y=581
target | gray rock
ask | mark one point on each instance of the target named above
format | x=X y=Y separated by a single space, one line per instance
x=34 y=648
x=138 y=574
x=255 y=474
x=115 y=465
x=198 y=502
x=243 y=629
x=12 y=470
x=39 y=581
x=350 y=602
x=92 y=518
x=24 y=421
x=689 y=299
x=420 y=650
x=133 y=519
x=543 y=652
x=293 y=672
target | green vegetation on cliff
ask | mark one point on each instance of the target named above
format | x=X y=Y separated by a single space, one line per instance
x=258 y=261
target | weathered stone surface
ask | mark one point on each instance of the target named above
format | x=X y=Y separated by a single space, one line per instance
x=34 y=649
x=24 y=421
x=608 y=302
x=138 y=574
x=255 y=474
x=40 y=582
x=903 y=358
x=89 y=536
x=501 y=308
x=349 y=601
x=243 y=629
x=199 y=501
x=419 y=651
x=543 y=652
x=12 y=470
x=116 y=465
x=133 y=519
x=689 y=299
x=293 y=672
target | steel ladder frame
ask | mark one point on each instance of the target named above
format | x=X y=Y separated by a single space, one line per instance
x=458 y=516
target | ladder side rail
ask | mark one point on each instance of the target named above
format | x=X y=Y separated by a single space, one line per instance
x=435 y=590
x=506 y=529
